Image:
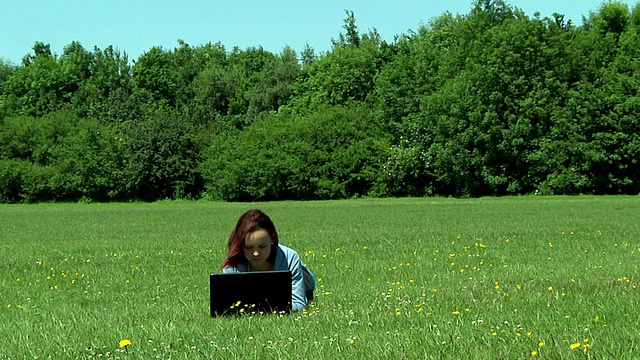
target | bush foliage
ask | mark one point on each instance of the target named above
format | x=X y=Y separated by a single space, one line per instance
x=493 y=102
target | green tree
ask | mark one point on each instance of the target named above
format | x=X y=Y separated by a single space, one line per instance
x=344 y=75
x=59 y=157
x=209 y=85
x=307 y=55
x=352 y=36
x=247 y=67
x=42 y=85
x=275 y=84
x=153 y=74
x=634 y=19
x=104 y=95
x=6 y=70
x=40 y=49
x=612 y=17
x=162 y=158
x=329 y=154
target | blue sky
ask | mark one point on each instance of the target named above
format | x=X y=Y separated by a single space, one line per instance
x=134 y=26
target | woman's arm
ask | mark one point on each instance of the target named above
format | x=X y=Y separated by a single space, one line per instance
x=229 y=270
x=298 y=294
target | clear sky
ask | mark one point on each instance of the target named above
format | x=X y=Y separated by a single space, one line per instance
x=134 y=26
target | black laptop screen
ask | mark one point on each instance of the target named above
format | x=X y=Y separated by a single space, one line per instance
x=258 y=292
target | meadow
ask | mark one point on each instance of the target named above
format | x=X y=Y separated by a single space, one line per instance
x=430 y=278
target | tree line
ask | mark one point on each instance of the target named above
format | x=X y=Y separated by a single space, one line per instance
x=489 y=103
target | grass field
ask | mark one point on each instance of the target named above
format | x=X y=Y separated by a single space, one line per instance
x=493 y=278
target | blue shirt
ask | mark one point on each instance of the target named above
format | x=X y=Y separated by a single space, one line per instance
x=286 y=259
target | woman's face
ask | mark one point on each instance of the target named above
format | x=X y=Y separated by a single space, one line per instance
x=257 y=248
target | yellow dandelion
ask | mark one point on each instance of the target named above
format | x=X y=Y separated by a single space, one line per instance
x=597 y=318
x=574 y=345
x=456 y=312
x=585 y=348
x=398 y=312
x=352 y=341
x=124 y=343
x=534 y=353
x=541 y=344
x=550 y=288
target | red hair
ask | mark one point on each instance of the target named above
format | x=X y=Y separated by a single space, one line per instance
x=249 y=222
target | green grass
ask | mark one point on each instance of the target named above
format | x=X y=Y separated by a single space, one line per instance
x=398 y=278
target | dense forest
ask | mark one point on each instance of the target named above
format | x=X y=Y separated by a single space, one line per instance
x=493 y=102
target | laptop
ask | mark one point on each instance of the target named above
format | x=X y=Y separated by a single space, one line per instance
x=257 y=292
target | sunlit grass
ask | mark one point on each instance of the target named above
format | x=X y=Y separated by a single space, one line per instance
x=530 y=277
